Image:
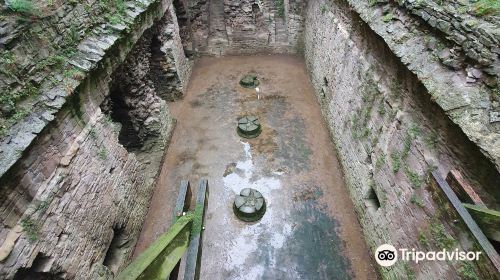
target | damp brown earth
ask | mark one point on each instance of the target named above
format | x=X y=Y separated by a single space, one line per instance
x=309 y=230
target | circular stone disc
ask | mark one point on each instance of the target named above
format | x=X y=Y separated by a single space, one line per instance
x=249 y=81
x=249 y=205
x=249 y=127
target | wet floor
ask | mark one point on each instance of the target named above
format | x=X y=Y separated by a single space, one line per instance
x=310 y=229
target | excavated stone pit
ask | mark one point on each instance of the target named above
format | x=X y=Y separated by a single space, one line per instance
x=359 y=102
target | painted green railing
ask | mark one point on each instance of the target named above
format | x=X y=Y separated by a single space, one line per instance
x=161 y=259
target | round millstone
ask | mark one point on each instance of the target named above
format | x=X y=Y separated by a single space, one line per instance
x=250 y=205
x=249 y=81
x=249 y=127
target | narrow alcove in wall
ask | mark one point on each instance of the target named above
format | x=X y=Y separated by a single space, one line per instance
x=184 y=24
x=119 y=112
x=372 y=201
x=114 y=255
x=37 y=270
x=256 y=12
x=163 y=73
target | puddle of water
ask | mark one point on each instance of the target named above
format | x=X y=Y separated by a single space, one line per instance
x=249 y=241
x=244 y=171
x=285 y=234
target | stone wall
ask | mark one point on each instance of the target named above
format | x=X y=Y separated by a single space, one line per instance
x=459 y=84
x=171 y=68
x=390 y=133
x=231 y=27
x=406 y=87
x=475 y=37
x=74 y=193
x=36 y=44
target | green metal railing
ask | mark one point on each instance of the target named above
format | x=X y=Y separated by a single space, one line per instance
x=160 y=259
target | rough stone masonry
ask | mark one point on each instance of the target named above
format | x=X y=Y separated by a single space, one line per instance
x=76 y=189
x=406 y=87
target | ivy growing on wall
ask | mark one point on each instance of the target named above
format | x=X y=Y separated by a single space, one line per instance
x=280 y=7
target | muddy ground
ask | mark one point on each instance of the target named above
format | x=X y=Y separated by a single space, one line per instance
x=310 y=230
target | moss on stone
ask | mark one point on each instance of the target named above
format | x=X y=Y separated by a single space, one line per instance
x=249 y=81
x=467 y=271
x=21 y=6
x=388 y=17
x=422 y=238
x=442 y=239
x=31 y=229
x=396 y=162
x=415 y=180
x=417 y=200
x=102 y=153
x=280 y=7
x=487 y=7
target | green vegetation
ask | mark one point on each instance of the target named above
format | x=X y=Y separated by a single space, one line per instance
x=467 y=271
x=103 y=153
x=21 y=6
x=495 y=92
x=362 y=116
x=381 y=108
x=441 y=237
x=42 y=206
x=52 y=62
x=13 y=97
x=30 y=228
x=398 y=158
x=423 y=239
x=372 y=2
x=415 y=180
x=56 y=61
x=115 y=10
x=415 y=199
x=380 y=162
x=115 y=19
x=70 y=41
x=74 y=73
x=280 y=8
x=428 y=172
x=364 y=133
x=107 y=119
x=7 y=59
x=18 y=115
x=410 y=274
x=407 y=141
x=396 y=162
x=359 y=123
x=93 y=133
x=367 y=96
x=411 y=134
x=431 y=140
x=388 y=17
x=487 y=7
x=324 y=8
x=414 y=131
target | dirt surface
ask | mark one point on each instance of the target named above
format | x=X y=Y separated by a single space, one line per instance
x=310 y=229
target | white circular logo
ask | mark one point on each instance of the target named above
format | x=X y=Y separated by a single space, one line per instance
x=386 y=255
